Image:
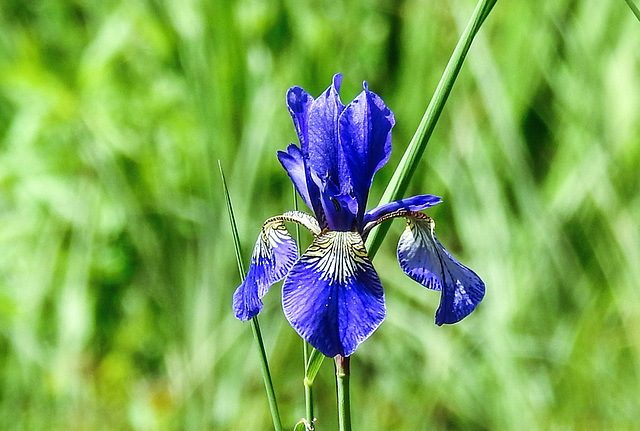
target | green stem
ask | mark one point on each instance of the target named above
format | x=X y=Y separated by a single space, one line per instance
x=308 y=385
x=398 y=184
x=342 y=382
x=257 y=335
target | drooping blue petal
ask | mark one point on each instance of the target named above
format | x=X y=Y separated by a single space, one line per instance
x=424 y=259
x=325 y=155
x=273 y=256
x=332 y=296
x=414 y=203
x=365 y=136
x=298 y=102
x=246 y=302
x=292 y=161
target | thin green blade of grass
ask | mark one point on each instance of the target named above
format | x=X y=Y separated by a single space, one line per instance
x=232 y=223
x=634 y=9
x=257 y=334
x=409 y=162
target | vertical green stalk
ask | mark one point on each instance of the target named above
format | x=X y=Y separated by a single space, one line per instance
x=342 y=383
x=402 y=175
x=255 y=326
x=308 y=384
x=308 y=387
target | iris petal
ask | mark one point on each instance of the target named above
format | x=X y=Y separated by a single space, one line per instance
x=292 y=161
x=339 y=209
x=303 y=219
x=324 y=150
x=414 y=203
x=332 y=296
x=365 y=137
x=246 y=303
x=298 y=102
x=273 y=256
x=425 y=260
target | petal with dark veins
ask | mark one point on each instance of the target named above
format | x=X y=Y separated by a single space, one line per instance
x=425 y=260
x=333 y=296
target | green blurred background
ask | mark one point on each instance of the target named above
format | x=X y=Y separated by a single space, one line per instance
x=116 y=258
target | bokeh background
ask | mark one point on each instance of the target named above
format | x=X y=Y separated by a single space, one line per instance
x=116 y=259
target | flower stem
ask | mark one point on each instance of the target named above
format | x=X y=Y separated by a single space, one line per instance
x=257 y=335
x=342 y=382
x=308 y=387
x=308 y=384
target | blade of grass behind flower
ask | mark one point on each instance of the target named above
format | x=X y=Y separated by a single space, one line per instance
x=266 y=374
x=300 y=426
x=313 y=366
x=409 y=162
x=634 y=9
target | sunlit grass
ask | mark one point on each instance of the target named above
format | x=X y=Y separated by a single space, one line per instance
x=117 y=265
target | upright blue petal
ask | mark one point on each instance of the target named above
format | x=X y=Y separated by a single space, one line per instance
x=424 y=259
x=292 y=161
x=325 y=155
x=365 y=136
x=414 y=203
x=298 y=102
x=332 y=296
x=273 y=256
x=297 y=163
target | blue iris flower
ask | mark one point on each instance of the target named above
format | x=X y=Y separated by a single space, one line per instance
x=332 y=295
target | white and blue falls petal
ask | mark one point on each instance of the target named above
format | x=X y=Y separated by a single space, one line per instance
x=425 y=260
x=273 y=256
x=333 y=296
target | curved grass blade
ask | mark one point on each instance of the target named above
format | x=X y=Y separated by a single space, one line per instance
x=313 y=365
x=409 y=162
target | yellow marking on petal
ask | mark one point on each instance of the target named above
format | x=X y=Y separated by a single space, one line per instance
x=274 y=232
x=338 y=255
x=408 y=215
x=302 y=218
